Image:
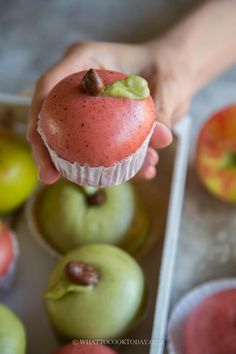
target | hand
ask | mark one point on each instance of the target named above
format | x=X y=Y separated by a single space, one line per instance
x=153 y=61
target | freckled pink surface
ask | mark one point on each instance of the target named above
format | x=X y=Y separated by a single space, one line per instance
x=94 y=130
x=211 y=328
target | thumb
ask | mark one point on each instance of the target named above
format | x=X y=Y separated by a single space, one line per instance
x=165 y=94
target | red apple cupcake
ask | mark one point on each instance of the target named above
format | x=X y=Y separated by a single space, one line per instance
x=8 y=257
x=82 y=348
x=216 y=154
x=204 y=320
x=97 y=125
x=210 y=328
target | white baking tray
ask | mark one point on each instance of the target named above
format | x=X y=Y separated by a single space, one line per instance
x=163 y=197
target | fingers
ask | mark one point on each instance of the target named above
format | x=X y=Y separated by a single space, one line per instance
x=37 y=100
x=66 y=66
x=148 y=170
x=47 y=172
x=161 y=136
x=162 y=93
x=169 y=98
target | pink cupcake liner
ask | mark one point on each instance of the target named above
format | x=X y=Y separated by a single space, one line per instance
x=185 y=307
x=7 y=280
x=100 y=176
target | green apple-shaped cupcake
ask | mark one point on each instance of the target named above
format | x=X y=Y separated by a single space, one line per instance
x=96 y=291
x=12 y=333
x=69 y=216
x=18 y=175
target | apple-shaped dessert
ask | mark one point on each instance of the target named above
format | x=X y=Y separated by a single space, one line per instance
x=96 y=291
x=97 y=126
x=12 y=333
x=8 y=257
x=18 y=175
x=210 y=328
x=80 y=348
x=216 y=154
x=65 y=216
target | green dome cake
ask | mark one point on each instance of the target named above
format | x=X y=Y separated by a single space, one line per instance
x=68 y=216
x=96 y=291
x=12 y=333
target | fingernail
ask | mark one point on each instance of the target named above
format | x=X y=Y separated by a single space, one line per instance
x=150 y=172
x=165 y=131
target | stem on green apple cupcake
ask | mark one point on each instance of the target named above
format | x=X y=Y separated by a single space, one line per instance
x=81 y=273
x=97 y=198
x=92 y=83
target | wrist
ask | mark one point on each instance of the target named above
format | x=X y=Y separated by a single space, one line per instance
x=200 y=44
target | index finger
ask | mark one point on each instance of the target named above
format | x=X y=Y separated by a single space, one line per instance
x=39 y=94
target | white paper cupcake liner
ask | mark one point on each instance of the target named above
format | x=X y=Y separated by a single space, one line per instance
x=33 y=227
x=101 y=176
x=185 y=307
x=7 y=280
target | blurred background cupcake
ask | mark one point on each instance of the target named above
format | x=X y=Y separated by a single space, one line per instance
x=65 y=216
x=95 y=292
x=12 y=333
x=18 y=176
x=9 y=252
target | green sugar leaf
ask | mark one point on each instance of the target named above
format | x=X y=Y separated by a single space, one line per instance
x=133 y=87
x=64 y=287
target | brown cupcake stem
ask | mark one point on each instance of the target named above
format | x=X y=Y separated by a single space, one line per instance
x=92 y=83
x=81 y=273
x=97 y=198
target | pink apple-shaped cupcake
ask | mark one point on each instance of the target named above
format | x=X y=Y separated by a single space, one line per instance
x=9 y=252
x=97 y=126
x=210 y=328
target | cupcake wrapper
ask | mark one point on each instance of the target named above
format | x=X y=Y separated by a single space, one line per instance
x=7 y=280
x=33 y=228
x=186 y=305
x=100 y=176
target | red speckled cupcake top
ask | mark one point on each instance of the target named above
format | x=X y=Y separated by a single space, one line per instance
x=97 y=130
x=210 y=328
x=6 y=249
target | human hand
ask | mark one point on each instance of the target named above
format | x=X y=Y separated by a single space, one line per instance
x=156 y=62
